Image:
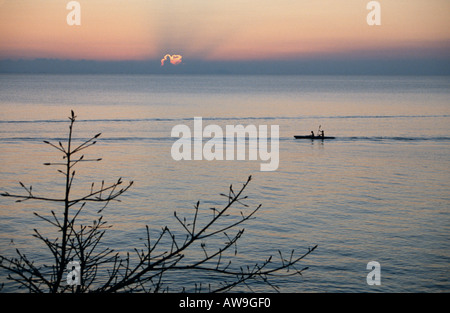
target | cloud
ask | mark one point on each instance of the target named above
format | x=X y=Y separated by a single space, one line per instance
x=175 y=59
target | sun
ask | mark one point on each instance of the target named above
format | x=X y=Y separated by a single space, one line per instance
x=174 y=59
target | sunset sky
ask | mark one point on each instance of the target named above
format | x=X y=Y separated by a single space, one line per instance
x=223 y=30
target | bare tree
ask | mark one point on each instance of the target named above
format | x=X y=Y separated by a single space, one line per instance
x=79 y=250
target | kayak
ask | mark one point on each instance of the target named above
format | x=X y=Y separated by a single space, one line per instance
x=314 y=137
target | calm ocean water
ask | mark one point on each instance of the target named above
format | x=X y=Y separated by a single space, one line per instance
x=379 y=192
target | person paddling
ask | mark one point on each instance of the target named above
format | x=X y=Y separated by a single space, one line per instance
x=320 y=132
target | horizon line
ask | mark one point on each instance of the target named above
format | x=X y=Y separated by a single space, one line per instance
x=314 y=66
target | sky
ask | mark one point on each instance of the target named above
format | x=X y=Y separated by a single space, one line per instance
x=219 y=31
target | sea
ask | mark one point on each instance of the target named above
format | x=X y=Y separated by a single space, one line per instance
x=379 y=191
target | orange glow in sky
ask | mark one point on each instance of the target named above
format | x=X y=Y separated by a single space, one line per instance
x=174 y=59
x=221 y=30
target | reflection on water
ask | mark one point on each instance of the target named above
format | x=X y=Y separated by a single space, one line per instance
x=380 y=191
